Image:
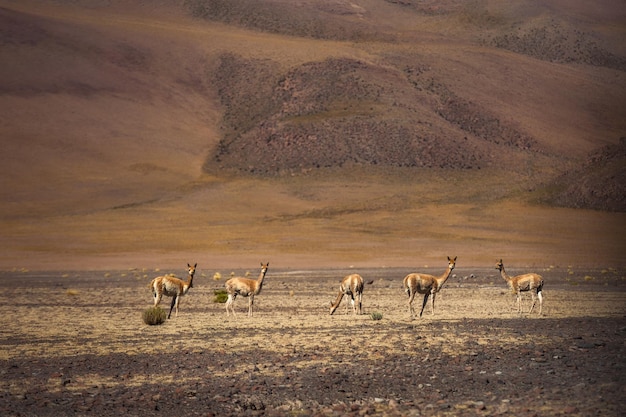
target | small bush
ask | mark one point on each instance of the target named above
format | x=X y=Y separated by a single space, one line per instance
x=72 y=292
x=377 y=316
x=220 y=296
x=154 y=316
x=217 y=276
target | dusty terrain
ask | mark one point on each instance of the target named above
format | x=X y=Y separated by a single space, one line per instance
x=74 y=344
x=326 y=137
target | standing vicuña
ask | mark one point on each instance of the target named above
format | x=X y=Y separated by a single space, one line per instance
x=246 y=288
x=351 y=285
x=427 y=285
x=172 y=287
x=526 y=282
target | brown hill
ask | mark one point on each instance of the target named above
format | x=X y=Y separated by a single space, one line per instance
x=599 y=184
x=406 y=125
x=398 y=106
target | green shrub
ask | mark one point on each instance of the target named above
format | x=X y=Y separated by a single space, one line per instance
x=377 y=316
x=154 y=316
x=220 y=296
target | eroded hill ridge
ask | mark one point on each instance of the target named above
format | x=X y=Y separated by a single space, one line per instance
x=343 y=111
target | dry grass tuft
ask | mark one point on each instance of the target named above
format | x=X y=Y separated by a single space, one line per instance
x=220 y=296
x=154 y=316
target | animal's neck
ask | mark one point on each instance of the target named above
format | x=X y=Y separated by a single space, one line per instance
x=442 y=279
x=504 y=275
x=259 y=281
x=189 y=282
x=338 y=299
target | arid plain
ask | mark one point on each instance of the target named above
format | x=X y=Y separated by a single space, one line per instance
x=76 y=345
x=327 y=138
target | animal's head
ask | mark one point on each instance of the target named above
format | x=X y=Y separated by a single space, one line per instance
x=451 y=263
x=500 y=265
x=332 y=308
x=264 y=267
x=191 y=270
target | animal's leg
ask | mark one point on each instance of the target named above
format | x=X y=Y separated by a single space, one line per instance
x=229 y=304
x=411 y=297
x=172 y=306
x=424 y=303
x=250 y=305
x=540 y=297
x=432 y=304
x=534 y=301
x=157 y=297
x=176 y=305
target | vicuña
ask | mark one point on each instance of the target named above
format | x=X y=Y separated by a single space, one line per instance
x=351 y=285
x=246 y=288
x=521 y=283
x=172 y=286
x=426 y=284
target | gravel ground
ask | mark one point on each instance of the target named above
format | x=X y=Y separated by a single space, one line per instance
x=74 y=344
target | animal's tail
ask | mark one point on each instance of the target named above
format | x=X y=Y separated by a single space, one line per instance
x=151 y=286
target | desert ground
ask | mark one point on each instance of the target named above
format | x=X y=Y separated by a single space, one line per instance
x=326 y=137
x=74 y=343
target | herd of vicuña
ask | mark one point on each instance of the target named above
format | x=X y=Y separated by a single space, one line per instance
x=351 y=286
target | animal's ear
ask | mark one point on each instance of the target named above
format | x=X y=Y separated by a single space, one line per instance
x=196 y=264
x=455 y=259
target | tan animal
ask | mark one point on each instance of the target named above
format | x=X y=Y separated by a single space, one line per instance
x=351 y=285
x=521 y=283
x=428 y=285
x=172 y=286
x=246 y=288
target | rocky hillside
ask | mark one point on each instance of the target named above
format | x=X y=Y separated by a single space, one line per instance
x=342 y=111
x=399 y=105
x=599 y=184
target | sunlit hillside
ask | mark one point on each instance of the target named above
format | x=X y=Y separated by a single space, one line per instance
x=311 y=133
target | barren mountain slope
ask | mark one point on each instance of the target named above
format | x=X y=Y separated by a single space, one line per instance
x=416 y=127
x=455 y=91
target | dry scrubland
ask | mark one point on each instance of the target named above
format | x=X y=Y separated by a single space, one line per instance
x=76 y=344
x=316 y=135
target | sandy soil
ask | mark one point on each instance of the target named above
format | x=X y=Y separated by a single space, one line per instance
x=74 y=344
